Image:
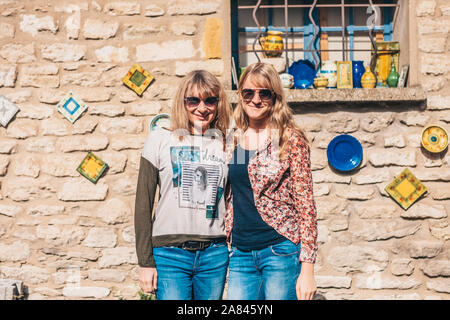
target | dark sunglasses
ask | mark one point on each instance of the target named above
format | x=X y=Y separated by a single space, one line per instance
x=209 y=102
x=264 y=94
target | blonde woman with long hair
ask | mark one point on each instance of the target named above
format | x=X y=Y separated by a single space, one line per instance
x=271 y=215
x=182 y=252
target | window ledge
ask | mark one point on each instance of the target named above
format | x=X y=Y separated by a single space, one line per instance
x=376 y=95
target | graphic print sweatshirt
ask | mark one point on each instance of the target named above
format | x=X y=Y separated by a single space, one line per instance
x=191 y=175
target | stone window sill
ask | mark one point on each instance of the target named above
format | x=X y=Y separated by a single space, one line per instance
x=414 y=95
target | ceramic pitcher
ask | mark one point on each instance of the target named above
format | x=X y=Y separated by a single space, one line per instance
x=272 y=44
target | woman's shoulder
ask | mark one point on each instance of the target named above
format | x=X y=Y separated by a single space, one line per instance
x=158 y=133
x=155 y=137
x=296 y=137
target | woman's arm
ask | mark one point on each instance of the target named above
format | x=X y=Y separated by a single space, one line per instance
x=302 y=191
x=143 y=223
x=303 y=197
x=306 y=285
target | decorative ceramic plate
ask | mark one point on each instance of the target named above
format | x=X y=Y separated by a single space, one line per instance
x=137 y=79
x=304 y=74
x=7 y=110
x=71 y=107
x=161 y=120
x=434 y=138
x=92 y=167
x=405 y=189
x=344 y=152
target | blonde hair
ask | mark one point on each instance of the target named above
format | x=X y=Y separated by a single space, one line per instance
x=206 y=85
x=280 y=116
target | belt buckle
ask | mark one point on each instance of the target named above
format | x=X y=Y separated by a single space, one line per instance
x=191 y=245
x=194 y=245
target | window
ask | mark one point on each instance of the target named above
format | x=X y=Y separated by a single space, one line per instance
x=338 y=30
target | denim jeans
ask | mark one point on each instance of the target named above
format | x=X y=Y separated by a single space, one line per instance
x=186 y=275
x=270 y=273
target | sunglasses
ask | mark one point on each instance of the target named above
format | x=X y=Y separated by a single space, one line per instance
x=193 y=102
x=264 y=94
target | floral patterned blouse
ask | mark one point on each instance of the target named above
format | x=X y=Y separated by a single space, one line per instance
x=283 y=194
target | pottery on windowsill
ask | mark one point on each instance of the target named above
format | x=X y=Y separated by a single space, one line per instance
x=320 y=83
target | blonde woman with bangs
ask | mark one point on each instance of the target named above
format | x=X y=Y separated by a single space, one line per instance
x=271 y=215
x=181 y=249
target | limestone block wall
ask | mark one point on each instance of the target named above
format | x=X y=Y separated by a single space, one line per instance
x=58 y=229
x=67 y=238
x=370 y=248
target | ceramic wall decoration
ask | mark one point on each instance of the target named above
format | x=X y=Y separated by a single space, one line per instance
x=320 y=83
x=287 y=80
x=344 y=75
x=329 y=70
x=358 y=71
x=403 y=76
x=368 y=79
x=71 y=107
x=392 y=79
x=7 y=110
x=161 y=120
x=434 y=138
x=92 y=167
x=405 y=189
x=272 y=44
x=344 y=152
x=384 y=60
x=137 y=79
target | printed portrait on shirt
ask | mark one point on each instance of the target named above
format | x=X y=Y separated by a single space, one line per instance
x=200 y=186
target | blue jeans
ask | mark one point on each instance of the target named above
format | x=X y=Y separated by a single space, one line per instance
x=270 y=273
x=186 y=275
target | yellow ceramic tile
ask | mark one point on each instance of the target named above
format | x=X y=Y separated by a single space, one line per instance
x=137 y=79
x=92 y=167
x=405 y=188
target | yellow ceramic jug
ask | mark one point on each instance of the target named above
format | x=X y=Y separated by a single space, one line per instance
x=272 y=44
x=368 y=79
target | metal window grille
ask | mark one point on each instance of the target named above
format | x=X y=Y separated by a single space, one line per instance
x=384 y=11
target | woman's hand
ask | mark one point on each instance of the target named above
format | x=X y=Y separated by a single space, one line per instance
x=306 y=285
x=148 y=279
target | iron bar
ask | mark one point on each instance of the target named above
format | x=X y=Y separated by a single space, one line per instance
x=375 y=54
x=301 y=29
x=356 y=5
x=259 y=28
x=343 y=28
x=286 y=23
x=316 y=32
x=385 y=51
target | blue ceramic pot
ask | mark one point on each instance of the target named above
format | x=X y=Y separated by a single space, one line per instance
x=358 y=71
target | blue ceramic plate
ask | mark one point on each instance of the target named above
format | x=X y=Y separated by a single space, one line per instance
x=161 y=120
x=304 y=74
x=344 y=152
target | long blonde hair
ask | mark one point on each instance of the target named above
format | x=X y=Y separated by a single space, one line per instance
x=207 y=85
x=280 y=116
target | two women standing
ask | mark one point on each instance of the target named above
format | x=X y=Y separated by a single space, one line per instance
x=265 y=176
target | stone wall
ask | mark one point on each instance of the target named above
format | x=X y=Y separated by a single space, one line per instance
x=370 y=248
x=58 y=230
